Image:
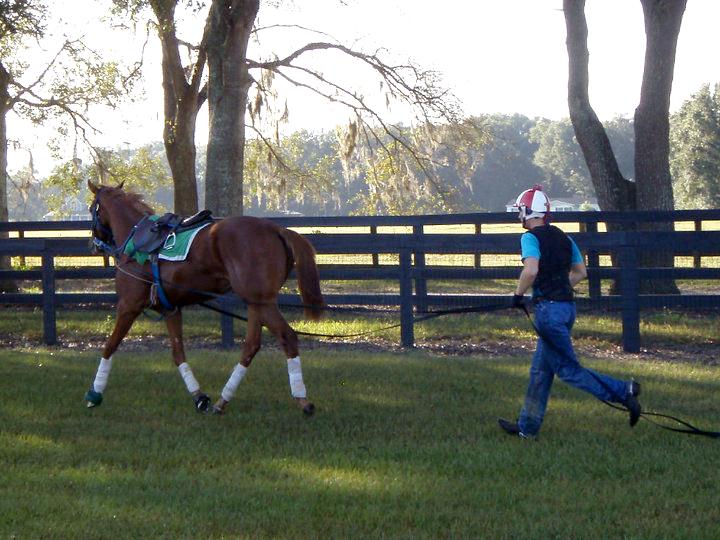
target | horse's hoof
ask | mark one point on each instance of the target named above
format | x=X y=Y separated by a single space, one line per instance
x=202 y=403
x=93 y=398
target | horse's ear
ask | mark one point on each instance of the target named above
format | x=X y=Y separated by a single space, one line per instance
x=121 y=184
x=92 y=187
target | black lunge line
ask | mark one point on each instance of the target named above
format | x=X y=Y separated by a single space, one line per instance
x=691 y=430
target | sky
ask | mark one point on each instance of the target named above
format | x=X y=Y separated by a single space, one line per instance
x=496 y=56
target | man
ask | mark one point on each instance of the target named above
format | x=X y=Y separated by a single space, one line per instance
x=552 y=266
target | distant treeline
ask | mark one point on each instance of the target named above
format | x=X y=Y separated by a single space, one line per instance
x=315 y=173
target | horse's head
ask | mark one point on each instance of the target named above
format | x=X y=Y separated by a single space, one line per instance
x=101 y=229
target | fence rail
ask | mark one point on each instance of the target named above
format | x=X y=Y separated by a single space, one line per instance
x=410 y=271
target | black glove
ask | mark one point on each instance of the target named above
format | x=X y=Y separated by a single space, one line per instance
x=518 y=301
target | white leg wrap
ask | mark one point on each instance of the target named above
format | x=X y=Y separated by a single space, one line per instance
x=297 y=386
x=101 y=377
x=233 y=382
x=190 y=380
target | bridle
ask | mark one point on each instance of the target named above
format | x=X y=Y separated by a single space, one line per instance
x=97 y=228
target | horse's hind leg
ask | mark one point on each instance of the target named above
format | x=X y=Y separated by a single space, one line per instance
x=174 y=326
x=276 y=323
x=126 y=316
x=250 y=348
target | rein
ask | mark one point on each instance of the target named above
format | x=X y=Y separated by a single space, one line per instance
x=422 y=318
x=427 y=316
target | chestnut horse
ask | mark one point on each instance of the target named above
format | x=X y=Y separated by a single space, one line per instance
x=249 y=256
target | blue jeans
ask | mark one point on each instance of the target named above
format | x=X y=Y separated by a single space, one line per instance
x=555 y=355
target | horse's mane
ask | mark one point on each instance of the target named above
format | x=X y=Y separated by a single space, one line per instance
x=129 y=198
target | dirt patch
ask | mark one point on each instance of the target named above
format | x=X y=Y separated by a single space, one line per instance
x=705 y=354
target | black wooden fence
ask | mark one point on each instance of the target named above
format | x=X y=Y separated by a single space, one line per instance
x=410 y=249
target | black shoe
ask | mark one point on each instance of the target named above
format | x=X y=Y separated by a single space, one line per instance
x=512 y=428
x=632 y=403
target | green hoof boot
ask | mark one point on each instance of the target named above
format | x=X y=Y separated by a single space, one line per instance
x=93 y=398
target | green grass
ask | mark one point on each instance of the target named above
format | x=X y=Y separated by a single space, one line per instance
x=404 y=445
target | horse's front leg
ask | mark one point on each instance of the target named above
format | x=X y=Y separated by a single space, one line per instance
x=174 y=325
x=125 y=318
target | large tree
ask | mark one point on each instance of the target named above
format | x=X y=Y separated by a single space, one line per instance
x=652 y=188
x=59 y=90
x=183 y=95
x=19 y=19
x=240 y=87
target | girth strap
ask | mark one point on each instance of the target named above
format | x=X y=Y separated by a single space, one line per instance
x=157 y=288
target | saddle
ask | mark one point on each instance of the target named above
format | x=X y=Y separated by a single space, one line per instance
x=152 y=233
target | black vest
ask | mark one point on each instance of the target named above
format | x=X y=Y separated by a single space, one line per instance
x=552 y=281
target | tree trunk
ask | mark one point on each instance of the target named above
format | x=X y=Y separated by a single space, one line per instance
x=652 y=116
x=653 y=187
x=613 y=190
x=179 y=140
x=652 y=125
x=182 y=100
x=5 y=105
x=231 y=22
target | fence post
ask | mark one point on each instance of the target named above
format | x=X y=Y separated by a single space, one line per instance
x=407 y=332
x=478 y=256
x=21 y=235
x=420 y=283
x=375 y=258
x=630 y=290
x=593 y=259
x=49 y=304
x=697 y=259
x=226 y=324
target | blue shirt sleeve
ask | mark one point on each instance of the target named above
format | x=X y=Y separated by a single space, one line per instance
x=529 y=246
x=576 y=255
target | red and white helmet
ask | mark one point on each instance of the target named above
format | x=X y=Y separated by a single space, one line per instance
x=533 y=203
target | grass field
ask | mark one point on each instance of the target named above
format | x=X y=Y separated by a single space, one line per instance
x=404 y=445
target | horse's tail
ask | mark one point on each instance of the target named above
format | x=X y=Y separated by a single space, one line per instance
x=308 y=277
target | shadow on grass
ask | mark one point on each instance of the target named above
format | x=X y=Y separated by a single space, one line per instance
x=403 y=445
